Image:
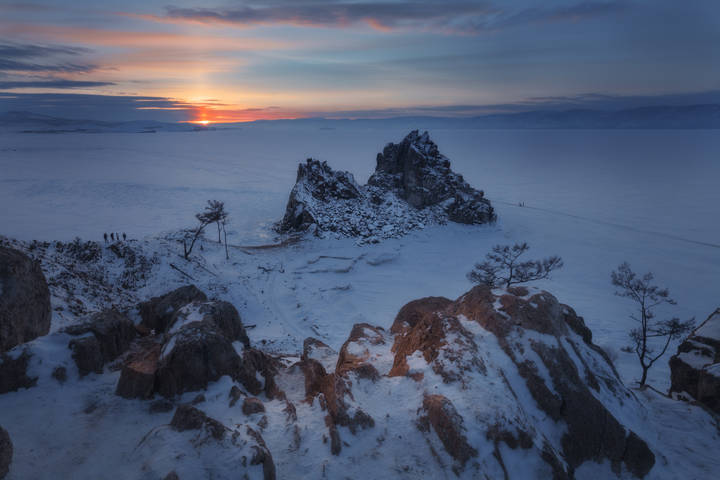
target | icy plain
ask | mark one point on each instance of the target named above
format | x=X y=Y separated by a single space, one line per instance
x=596 y=198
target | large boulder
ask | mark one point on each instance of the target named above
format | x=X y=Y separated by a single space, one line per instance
x=198 y=353
x=695 y=368
x=137 y=378
x=102 y=338
x=6 y=452
x=221 y=314
x=157 y=313
x=24 y=299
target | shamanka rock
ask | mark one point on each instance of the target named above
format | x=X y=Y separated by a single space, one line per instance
x=413 y=186
x=24 y=299
x=695 y=368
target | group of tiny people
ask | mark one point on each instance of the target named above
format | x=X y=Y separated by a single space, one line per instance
x=114 y=237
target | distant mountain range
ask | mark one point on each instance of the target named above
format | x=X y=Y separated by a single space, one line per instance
x=653 y=117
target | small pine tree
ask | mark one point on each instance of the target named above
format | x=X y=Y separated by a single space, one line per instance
x=648 y=296
x=214 y=213
x=502 y=267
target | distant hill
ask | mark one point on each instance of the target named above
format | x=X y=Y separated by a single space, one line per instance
x=28 y=122
x=652 y=117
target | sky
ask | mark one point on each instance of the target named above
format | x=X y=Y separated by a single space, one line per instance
x=222 y=60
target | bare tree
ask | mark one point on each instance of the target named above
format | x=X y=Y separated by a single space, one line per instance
x=648 y=296
x=214 y=213
x=223 y=223
x=205 y=219
x=502 y=267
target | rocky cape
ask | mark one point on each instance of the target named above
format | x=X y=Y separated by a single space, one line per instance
x=412 y=186
x=497 y=384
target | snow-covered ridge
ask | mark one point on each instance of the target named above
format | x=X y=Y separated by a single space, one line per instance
x=413 y=186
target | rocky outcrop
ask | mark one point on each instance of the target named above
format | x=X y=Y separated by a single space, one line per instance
x=223 y=315
x=201 y=445
x=252 y=405
x=137 y=379
x=440 y=414
x=158 y=312
x=194 y=356
x=6 y=452
x=103 y=337
x=695 y=368
x=417 y=172
x=13 y=372
x=203 y=342
x=317 y=350
x=316 y=182
x=413 y=186
x=188 y=417
x=504 y=385
x=24 y=299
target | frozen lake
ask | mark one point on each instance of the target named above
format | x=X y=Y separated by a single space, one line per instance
x=58 y=186
x=596 y=198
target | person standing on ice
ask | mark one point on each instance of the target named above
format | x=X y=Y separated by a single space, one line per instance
x=124 y=237
x=105 y=235
x=112 y=237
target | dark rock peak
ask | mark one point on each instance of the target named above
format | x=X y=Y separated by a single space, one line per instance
x=325 y=183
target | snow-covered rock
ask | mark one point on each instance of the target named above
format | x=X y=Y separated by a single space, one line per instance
x=158 y=312
x=413 y=186
x=493 y=385
x=6 y=452
x=24 y=299
x=417 y=172
x=105 y=336
x=195 y=445
x=695 y=368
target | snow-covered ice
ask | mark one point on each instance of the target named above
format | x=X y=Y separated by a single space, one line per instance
x=596 y=198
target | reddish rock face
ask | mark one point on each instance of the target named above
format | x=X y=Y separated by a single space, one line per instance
x=441 y=415
x=695 y=368
x=137 y=379
x=362 y=338
x=252 y=405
